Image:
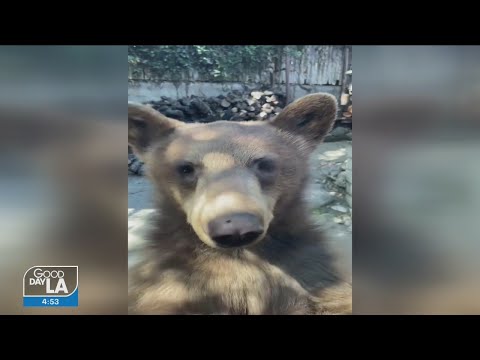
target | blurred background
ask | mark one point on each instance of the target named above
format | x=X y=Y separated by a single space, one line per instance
x=63 y=190
x=417 y=176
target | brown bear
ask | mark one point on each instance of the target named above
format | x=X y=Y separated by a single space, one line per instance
x=233 y=234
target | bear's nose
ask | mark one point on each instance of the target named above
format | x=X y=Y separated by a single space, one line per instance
x=235 y=229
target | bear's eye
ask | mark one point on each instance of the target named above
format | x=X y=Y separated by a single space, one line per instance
x=265 y=165
x=186 y=170
x=266 y=170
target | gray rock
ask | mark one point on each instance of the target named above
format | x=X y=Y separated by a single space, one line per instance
x=189 y=110
x=348 y=164
x=326 y=220
x=349 y=188
x=185 y=102
x=225 y=103
x=349 y=199
x=348 y=176
x=185 y=109
x=162 y=109
x=227 y=115
x=201 y=107
x=262 y=115
x=242 y=105
x=337 y=134
x=237 y=117
x=175 y=114
x=267 y=108
x=317 y=196
x=341 y=180
x=211 y=101
x=257 y=94
x=334 y=171
x=136 y=167
x=339 y=208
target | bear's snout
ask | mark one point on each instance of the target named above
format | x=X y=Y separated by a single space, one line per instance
x=235 y=230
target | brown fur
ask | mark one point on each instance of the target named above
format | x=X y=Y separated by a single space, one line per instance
x=287 y=271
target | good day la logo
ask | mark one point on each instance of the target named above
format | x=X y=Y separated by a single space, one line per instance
x=44 y=277
x=51 y=286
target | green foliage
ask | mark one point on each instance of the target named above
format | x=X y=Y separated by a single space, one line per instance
x=213 y=63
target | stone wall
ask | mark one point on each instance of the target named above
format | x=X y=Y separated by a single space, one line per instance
x=146 y=90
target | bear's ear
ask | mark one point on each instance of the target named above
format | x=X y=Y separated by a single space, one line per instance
x=146 y=125
x=311 y=116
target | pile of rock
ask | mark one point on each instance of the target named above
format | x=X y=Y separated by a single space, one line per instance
x=327 y=194
x=237 y=106
x=135 y=166
x=340 y=132
x=344 y=178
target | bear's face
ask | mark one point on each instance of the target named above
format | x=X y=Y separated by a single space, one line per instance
x=230 y=178
x=226 y=175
